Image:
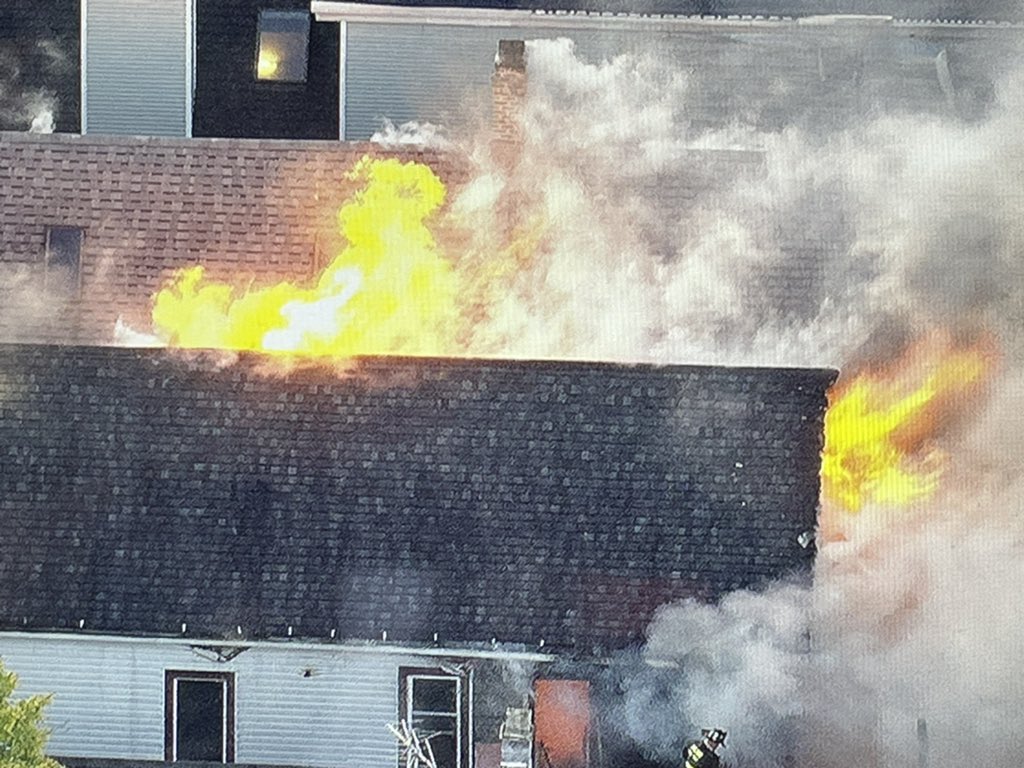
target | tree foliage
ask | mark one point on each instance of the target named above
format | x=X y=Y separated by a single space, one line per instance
x=22 y=735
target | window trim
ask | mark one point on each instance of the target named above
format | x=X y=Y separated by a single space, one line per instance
x=171 y=678
x=47 y=251
x=274 y=82
x=464 y=703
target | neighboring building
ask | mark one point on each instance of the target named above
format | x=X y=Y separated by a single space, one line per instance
x=207 y=559
x=193 y=67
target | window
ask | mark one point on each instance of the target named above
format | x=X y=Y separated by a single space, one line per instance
x=63 y=259
x=282 y=46
x=199 y=716
x=435 y=705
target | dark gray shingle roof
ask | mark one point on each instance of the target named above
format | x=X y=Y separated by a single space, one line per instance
x=517 y=500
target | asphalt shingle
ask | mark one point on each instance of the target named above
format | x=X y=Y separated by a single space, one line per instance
x=476 y=499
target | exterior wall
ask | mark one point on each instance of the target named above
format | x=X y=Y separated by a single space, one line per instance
x=230 y=102
x=435 y=74
x=148 y=207
x=39 y=58
x=109 y=698
x=816 y=77
x=137 y=67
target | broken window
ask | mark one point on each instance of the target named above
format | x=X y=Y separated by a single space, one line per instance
x=435 y=705
x=199 y=722
x=282 y=46
x=64 y=259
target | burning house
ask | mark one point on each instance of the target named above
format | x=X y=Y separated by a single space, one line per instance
x=322 y=551
x=512 y=436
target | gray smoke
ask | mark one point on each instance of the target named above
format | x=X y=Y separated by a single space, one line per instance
x=692 y=255
x=26 y=105
x=631 y=241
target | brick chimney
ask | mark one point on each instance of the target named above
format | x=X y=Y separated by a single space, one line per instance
x=508 y=88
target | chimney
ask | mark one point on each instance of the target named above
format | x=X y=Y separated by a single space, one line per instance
x=508 y=89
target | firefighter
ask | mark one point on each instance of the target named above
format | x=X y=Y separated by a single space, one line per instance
x=701 y=754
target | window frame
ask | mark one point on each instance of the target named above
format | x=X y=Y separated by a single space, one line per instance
x=278 y=82
x=76 y=283
x=171 y=679
x=463 y=714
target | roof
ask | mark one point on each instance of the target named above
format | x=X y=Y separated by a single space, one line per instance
x=264 y=210
x=476 y=499
x=938 y=11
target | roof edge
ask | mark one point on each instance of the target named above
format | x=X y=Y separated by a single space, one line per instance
x=381 y=13
x=370 y=647
x=284 y=364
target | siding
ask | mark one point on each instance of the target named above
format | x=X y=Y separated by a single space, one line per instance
x=137 y=67
x=436 y=74
x=815 y=77
x=108 y=699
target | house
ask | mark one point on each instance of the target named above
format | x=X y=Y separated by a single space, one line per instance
x=336 y=70
x=212 y=558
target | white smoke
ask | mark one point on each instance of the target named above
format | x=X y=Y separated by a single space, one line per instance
x=27 y=106
x=631 y=243
x=418 y=134
x=653 y=248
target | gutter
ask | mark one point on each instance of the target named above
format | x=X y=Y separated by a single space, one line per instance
x=372 y=13
x=369 y=647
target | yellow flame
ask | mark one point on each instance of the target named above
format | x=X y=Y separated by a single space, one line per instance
x=268 y=63
x=880 y=427
x=389 y=291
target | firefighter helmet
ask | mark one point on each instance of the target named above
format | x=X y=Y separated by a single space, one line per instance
x=714 y=735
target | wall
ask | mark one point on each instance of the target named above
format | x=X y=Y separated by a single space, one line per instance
x=137 y=67
x=109 y=698
x=768 y=76
x=230 y=102
x=39 y=57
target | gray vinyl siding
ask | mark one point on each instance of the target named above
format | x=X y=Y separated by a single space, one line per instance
x=137 y=56
x=437 y=74
x=109 y=698
x=809 y=76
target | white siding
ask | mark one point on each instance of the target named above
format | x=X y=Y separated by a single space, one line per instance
x=109 y=698
x=439 y=74
x=137 y=77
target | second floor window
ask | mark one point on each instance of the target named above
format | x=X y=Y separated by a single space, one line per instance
x=282 y=46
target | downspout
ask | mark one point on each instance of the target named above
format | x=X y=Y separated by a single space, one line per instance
x=342 y=67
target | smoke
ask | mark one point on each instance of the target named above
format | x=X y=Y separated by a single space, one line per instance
x=696 y=238
x=630 y=240
x=25 y=104
x=424 y=135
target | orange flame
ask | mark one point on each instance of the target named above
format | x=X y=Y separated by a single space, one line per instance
x=390 y=290
x=882 y=426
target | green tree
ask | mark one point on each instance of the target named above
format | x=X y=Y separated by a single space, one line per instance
x=22 y=735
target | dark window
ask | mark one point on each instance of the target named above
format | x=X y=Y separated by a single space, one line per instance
x=63 y=259
x=435 y=705
x=282 y=46
x=199 y=716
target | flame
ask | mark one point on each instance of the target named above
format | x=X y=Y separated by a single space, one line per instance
x=389 y=290
x=882 y=426
x=268 y=64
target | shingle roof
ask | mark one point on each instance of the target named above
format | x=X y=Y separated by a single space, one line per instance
x=515 y=500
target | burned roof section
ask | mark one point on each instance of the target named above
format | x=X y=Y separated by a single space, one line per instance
x=475 y=499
